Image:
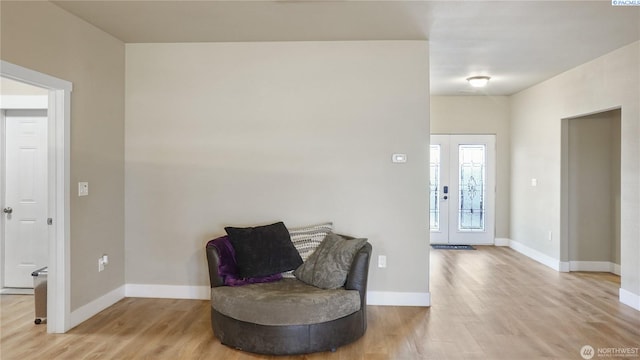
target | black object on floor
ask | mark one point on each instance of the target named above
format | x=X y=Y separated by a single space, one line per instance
x=452 y=247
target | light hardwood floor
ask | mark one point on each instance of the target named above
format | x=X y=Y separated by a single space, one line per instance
x=492 y=303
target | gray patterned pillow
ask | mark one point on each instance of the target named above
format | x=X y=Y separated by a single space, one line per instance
x=307 y=239
x=329 y=265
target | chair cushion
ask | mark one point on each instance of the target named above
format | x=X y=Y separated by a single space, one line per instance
x=329 y=265
x=228 y=268
x=263 y=250
x=285 y=302
x=307 y=239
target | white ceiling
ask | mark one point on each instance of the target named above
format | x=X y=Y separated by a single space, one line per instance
x=517 y=43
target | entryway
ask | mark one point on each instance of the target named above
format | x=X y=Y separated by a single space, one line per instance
x=592 y=191
x=58 y=105
x=462 y=189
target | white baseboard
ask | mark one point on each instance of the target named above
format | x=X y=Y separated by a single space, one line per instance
x=398 y=298
x=17 y=291
x=595 y=266
x=86 y=311
x=616 y=269
x=625 y=297
x=536 y=255
x=630 y=299
x=168 y=291
x=204 y=293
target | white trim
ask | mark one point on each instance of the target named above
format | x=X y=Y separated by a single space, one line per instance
x=28 y=76
x=398 y=298
x=85 y=312
x=3 y=137
x=616 y=269
x=24 y=102
x=60 y=211
x=502 y=242
x=16 y=291
x=536 y=255
x=561 y=266
x=59 y=112
x=594 y=266
x=204 y=293
x=168 y=291
x=630 y=299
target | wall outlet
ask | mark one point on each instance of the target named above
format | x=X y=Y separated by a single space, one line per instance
x=83 y=188
x=382 y=261
x=100 y=265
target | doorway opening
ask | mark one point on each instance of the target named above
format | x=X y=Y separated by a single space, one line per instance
x=591 y=183
x=58 y=97
x=24 y=246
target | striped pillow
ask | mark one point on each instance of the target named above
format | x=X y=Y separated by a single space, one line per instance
x=307 y=239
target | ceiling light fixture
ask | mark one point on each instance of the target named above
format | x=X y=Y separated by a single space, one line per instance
x=478 y=81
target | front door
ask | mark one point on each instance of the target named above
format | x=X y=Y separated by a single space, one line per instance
x=462 y=189
x=25 y=199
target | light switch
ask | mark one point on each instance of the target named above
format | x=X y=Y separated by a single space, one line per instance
x=83 y=188
x=534 y=182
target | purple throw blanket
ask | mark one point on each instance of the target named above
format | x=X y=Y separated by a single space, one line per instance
x=228 y=268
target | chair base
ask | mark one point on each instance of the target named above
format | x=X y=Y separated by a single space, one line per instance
x=290 y=339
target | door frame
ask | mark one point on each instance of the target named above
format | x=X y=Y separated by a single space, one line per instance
x=490 y=141
x=59 y=118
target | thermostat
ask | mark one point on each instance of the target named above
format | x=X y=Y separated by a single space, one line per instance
x=399 y=158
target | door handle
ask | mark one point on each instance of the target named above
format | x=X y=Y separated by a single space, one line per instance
x=7 y=210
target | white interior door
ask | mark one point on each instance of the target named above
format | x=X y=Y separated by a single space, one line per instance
x=462 y=189
x=25 y=199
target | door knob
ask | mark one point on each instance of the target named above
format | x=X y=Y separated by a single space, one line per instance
x=7 y=210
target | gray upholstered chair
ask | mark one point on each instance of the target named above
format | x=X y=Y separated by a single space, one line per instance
x=278 y=333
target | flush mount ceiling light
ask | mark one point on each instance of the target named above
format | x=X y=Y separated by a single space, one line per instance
x=478 y=81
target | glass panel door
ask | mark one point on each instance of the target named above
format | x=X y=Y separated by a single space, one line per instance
x=434 y=188
x=461 y=189
x=439 y=175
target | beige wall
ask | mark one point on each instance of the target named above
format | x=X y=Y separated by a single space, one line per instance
x=594 y=187
x=480 y=115
x=609 y=82
x=42 y=37
x=243 y=134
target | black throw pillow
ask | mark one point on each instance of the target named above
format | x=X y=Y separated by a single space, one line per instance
x=263 y=250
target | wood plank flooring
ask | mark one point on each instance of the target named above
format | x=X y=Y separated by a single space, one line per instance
x=492 y=303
